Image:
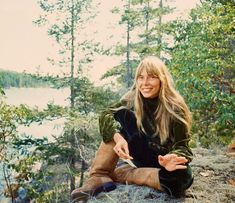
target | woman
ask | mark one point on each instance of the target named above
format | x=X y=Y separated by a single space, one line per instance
x=149 y=126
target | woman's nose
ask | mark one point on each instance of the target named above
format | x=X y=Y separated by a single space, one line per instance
x=145 y=81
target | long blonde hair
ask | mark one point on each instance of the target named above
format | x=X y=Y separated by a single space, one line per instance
x=171 y=104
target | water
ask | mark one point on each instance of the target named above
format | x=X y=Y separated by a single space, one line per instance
x=37 y=97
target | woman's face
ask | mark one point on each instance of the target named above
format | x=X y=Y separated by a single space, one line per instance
x=149 y=85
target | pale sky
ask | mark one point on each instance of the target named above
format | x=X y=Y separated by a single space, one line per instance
x=25 y=47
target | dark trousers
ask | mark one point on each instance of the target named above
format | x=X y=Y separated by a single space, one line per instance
x=175 y=182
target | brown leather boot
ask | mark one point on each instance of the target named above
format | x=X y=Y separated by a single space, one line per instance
x=99 y=176
x=139 y=176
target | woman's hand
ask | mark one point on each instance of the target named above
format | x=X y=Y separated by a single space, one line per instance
x=121 y=147
x=172 y=162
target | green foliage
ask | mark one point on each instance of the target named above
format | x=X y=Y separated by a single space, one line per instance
x=144 y=35
x=131 y=17
x=119 y=71
x=11 y=155
x=1 y=91
x=203 y=66
x=80 y=143
x=59 y=193
x=66 y=28
x=89 y=98
x=151 y=38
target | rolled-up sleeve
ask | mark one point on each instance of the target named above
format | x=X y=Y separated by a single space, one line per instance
x=108 y=126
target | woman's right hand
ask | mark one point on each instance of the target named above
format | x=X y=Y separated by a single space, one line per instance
x=172 y=162
x=121 y=147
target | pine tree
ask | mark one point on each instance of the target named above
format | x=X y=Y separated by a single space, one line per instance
x=64 y=22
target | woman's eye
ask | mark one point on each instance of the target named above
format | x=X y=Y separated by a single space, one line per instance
x=152 y=76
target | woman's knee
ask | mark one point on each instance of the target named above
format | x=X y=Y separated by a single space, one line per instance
x=176 y=182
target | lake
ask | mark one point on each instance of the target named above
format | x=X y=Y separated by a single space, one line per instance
x=37 y=97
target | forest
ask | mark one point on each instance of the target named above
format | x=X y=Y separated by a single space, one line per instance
x=199 y=52
x=13 y=79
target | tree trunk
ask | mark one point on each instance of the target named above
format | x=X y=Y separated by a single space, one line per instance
x=128 y=75
x=82 y=173
x=159 y=32
x=72 y=96
x=147 y=23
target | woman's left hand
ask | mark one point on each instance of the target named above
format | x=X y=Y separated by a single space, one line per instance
x=172 y=162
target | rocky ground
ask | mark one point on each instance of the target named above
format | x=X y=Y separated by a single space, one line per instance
x=214 y=182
